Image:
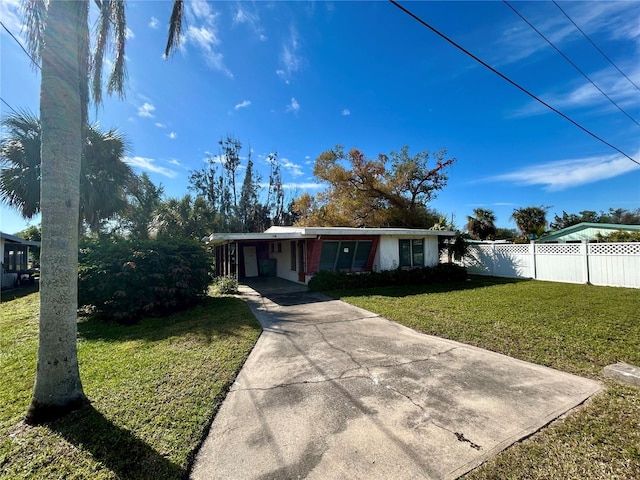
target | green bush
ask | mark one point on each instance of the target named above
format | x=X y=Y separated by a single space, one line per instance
x=225 y=285
x=128 y=279
x=445 y=272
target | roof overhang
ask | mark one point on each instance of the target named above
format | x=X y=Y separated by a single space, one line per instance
x=275 y=234
x=13 y=239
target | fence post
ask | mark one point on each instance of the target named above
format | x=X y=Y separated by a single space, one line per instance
x=532 y=252
x=584 y=250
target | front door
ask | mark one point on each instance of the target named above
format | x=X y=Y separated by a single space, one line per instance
x=250 y=261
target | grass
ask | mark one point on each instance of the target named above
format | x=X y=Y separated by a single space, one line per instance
x=574 y=328
x=154 y=389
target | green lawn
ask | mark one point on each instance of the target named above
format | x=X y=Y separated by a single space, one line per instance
x=154 y=388
x=575 y=328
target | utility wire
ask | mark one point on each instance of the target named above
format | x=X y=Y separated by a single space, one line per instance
x=20 y=44
x=10 y=107
x=569 y=60
x=504 y=77
x=595 y=46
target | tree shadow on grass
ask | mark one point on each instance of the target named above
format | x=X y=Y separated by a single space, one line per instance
x=474 y=281
x=116 y=448
x=19 y=292
x=214 y=318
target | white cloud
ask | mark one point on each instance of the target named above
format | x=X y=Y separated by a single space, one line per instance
x=160 y=125
x=243 y=104
x=294 y=106
x=148 y=164
x=11 y=18
x=346 y=112
x=175 y=162
x=302 y=186
x=293 y=168
x=564 y=174
x=153 y=23
x=202 y=33
x=584 y=94
x=289 y=57
x=607 y=19
x=128 y=33
x=146 y=110
x=173 y=135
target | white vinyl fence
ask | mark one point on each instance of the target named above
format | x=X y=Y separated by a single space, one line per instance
x=610 y=264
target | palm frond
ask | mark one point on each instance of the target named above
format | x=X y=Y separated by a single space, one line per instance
x=35 y=19
x=118 y=73
x=175 y=27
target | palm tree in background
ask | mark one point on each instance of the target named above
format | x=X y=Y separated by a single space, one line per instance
x=530 y=220
x=20 y=161
x=104 y=177
x=482 y=224
x=58 y=36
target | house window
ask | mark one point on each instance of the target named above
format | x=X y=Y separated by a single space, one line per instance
x=279 y=247
x=293 y=256
x=345 y=255
x=411 y=252
x=273 y=247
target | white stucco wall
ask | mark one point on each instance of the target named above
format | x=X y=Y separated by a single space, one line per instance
x=388 y=254
x=283 y=261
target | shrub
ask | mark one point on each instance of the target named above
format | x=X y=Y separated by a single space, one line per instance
x=445 y=272
x=225 y=285
x=128 y=279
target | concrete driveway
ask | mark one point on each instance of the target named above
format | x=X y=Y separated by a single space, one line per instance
x=331 y=391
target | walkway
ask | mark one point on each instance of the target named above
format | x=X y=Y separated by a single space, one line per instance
x=331 y=391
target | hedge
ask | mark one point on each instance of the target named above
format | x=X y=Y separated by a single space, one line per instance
x=128 y=279
x=445 y=272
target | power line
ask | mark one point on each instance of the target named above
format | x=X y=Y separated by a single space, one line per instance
x=10 y=107
x=596 y=46
x=504 y=77
x=569 y=60
x=20 y=44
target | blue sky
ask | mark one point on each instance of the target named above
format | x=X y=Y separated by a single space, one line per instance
x=301 y=77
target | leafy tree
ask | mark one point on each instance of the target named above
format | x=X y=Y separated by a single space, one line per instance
x=531 y=220
x=104 y=176
x=143 y=199
x=58 y=35
x=482 y=224
x=187 y=217
x=619 y=216
x=20 y=160
x=618 y=236
x=33 y=233
x=506 y=233
x=252 y=215
x=275 y=191
x=388 y=191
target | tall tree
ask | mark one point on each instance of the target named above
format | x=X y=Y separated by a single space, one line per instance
x=389 y=191
x=144 y=198
x=58 y=35
x=20 y=160
x=530 y=220
x=482 y=224
x=104 y=176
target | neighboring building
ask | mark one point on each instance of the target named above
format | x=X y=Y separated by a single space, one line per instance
x=297 y=253
x=585 y=232
x=14 y=252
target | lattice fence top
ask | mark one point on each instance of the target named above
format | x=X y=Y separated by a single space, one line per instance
x=614 y=248
x=562 y=248
x=503 y=248
x=513 y=248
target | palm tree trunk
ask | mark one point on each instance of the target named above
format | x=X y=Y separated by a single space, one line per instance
x=58 y=388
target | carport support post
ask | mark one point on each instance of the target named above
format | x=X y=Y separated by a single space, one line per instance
x=237 y=260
